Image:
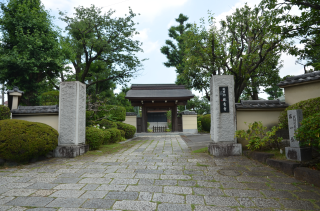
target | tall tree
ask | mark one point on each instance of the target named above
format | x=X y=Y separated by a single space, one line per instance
x=173 y=49
x=197 y=104
x=93 y=36
x=29 y=51
x=304 y=26
x=245 y=46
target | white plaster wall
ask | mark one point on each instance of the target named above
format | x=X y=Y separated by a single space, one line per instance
x=131 y=120
x=269 y=118
x=49 y=119
x=189 y=122
x=294 y=94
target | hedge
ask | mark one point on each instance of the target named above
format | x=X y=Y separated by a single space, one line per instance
x=122 y=133
x=128 y=129
x=22 y=140
x=107 y=124
x=206 y=122
x=50 y=98
x=106 y=137
x=309 y=131
x=113 y=112
x=309 y=108
x=4 y=112
x=115 y=135
x=94 y=137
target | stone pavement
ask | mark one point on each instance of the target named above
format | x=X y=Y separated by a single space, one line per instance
x=158 y=174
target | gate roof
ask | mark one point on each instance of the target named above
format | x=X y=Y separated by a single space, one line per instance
x=158 y=92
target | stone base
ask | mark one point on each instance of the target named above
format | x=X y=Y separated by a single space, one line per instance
x=307 y=175
x=285 y=166
x=298 y=154
x=70 y=151
x=190 y=130
x=223 y=149
x=259 y=156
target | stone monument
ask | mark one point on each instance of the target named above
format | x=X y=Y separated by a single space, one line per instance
x=223 y=117
x=72 y=120
x=294 y=152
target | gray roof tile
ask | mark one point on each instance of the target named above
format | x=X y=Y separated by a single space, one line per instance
x=260 y=104
x=35 y=109
x=308 y=77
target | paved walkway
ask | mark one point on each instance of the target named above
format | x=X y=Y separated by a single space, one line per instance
x=158 y=174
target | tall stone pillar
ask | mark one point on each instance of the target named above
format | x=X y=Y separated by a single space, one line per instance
x=223 y=117
x=294 y=152
x=72 y=119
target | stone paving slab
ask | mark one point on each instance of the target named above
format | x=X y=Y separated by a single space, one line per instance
x=160 y=173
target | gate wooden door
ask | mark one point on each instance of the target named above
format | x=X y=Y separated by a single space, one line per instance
x=179 y=123
x=139 y=124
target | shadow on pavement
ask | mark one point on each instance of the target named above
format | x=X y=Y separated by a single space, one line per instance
x=197 y=141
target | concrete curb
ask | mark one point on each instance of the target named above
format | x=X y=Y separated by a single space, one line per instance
x=288 y=167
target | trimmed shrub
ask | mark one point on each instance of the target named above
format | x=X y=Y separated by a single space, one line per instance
x=112 y=112
x=309 y=131
x=50 y=98
x=115 y=135
x=199 y=125
x=22 y=140
x=206 y=122
x=107 y=124
x=122 y=133
x=309 y=108
x=89 y=118
x=106 y=137
x=128 y=129
x=4 y=112
x=94 y=137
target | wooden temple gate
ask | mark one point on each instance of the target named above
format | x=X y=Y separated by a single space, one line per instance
x=162 y=96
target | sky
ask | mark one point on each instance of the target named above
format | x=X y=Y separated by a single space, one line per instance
x=155 y=18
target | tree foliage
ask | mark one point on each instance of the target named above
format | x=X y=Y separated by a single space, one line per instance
x=245 y=46
x=199 y=105
x=101 y=48
x=304 y=26
x=30 y=50
x=175 y=52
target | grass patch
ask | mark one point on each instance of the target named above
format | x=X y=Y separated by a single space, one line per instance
x=202 y=150
x=112 y=148
x=198 y=164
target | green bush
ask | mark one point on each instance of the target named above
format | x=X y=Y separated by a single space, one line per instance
x=50 y=98
x=206 y=122
x=309 y=131
x=309 y=108
x=22 y=140
x=115 y=135
x=4 y=112
x=122 y=133
x=94 y=137
x=112 y=112
x=106 y=137
x=107 y=124
x=199 y=125
x=128 y=129
x=258 y=136
x=89 y=118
